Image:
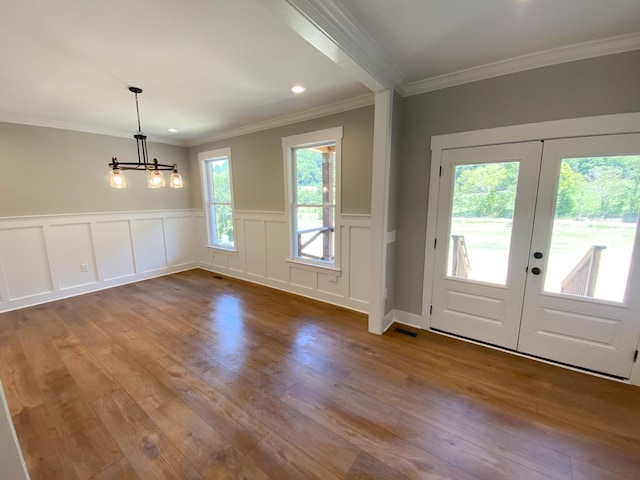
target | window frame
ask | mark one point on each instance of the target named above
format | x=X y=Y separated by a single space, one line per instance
x=305 y=140
x=205 y=159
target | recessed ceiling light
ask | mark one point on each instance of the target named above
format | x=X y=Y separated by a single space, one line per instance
x=172 y=130
x=298 y=89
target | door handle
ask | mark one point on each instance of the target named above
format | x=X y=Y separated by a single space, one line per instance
x=536 y=271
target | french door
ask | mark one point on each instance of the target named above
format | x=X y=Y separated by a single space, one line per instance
x=537 y=248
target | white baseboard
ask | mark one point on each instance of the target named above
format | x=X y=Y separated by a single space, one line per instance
x=387 y=321
x=356 y=306
x=408 y=319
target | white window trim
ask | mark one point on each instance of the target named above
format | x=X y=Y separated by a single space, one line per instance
x=203 y=158
x=306 y=140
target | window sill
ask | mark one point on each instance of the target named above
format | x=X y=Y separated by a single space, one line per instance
x=328 y=268
x=220 y=249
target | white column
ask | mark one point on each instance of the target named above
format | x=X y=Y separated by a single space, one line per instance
x=380 y=207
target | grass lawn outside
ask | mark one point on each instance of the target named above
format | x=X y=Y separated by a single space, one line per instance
x=488 y=242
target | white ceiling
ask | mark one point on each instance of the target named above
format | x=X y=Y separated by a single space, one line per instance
x=209 y=66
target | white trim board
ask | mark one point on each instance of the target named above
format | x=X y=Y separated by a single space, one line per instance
x=580 y=51
x=77 y=127
x=322 y=111
x=334 y=33
x=574 y=127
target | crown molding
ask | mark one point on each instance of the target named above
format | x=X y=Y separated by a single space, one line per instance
x=77 y=127
x=580 y=51
x=323 y=111
x=336 y=34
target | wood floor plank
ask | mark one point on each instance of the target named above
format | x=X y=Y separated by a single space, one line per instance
x=121 y=470
x=445 y=418
x=232 y=422
x=146 y=448
x=19 y=384
x=88 y=445
x=41 y=445
x=135 y=343
x=281 y=460
x=367 y=467
x=482 y=462
x=372 y=439
x=586 y=471
x=202 y=445
x=367 y=407
x=149 y=392
x=91 y=377
x=332 y=451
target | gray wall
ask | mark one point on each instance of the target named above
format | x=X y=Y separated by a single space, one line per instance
x=54 y=171
x=258 y=166
x=598 y=86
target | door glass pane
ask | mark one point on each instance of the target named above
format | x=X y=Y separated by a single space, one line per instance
x=594 y=227
x=484 y=196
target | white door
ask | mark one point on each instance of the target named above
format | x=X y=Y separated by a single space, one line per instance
x=582 y=298
x=539 y=252
x=485 y=216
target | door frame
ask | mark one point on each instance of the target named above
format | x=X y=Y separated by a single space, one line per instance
x=569 y=128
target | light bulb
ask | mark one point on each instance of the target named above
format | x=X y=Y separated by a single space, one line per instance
x=156 y=179
x=117 y=179
x=175 y=180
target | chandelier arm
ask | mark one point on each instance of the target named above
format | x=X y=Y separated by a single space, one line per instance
x=137 y=166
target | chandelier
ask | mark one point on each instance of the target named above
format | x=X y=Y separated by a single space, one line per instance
x=155 y=176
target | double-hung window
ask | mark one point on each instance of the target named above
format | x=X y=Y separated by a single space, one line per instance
x=217 y=188
x=312 y=166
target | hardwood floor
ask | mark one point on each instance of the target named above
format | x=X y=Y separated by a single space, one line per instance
x=195 y=376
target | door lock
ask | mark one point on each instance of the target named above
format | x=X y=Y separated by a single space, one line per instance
x=536 y=271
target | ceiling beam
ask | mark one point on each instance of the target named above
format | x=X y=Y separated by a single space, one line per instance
x=333 y=32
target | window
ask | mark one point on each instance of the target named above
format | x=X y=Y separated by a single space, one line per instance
x=312 y=164
x=215 y=170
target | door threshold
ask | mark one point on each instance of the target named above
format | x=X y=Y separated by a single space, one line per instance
x=532 y=357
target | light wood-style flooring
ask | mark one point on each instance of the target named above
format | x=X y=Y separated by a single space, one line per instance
x=196 y=376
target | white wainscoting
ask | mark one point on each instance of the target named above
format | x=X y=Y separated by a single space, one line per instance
x=44 y=258
x=263 y=251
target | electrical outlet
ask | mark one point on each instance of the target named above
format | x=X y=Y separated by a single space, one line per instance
x=84 y=267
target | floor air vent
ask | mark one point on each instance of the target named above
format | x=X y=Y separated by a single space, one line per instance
x=406 y=332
